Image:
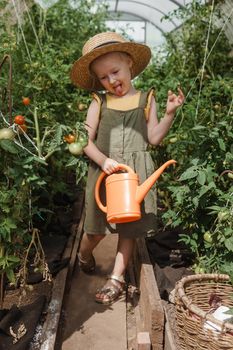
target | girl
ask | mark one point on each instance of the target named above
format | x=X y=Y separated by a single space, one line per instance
x=121 y=123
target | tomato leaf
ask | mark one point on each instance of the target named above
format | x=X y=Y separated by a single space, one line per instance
x=189 y=174
x=229 y=244
x=201 y=177
x=222 y=144
x=9 y=146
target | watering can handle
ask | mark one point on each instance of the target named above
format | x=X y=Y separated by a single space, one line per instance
x=100 y=179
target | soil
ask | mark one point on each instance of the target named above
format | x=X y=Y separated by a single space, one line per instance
x=22 y=297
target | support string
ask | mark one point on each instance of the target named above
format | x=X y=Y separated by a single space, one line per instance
x=210 y=51
x=21 y=29
x=205 y=58
x=33 y=27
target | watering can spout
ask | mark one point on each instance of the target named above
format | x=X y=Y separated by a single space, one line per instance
x=144 y=188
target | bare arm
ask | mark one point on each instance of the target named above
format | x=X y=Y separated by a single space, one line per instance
x=92 y=121
x=158 y=130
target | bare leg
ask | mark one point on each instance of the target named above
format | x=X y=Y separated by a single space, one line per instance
x=88 y=243
x=124 y=252
x=114 y=286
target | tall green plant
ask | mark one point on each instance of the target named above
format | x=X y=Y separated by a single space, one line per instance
x=195 y=195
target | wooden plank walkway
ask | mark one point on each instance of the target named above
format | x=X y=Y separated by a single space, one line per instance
x=87 y=324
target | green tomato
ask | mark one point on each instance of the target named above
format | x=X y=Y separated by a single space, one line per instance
x=223 y=215
x=207 y=237
x=6 y=134
x=230 y=175
x=199 y=269
x=173 y=140
x=83 y=140
x=76 y=148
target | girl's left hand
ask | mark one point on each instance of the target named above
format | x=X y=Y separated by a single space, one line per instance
x=174 y=101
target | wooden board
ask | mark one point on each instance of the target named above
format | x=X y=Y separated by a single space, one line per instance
x=60 y=283
x=152 y=318
x=169 y=341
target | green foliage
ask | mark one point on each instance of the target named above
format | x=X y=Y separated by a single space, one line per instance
x=34 y=166
x=198 y=193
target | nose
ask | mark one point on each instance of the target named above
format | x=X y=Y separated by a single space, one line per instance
x=112 y=80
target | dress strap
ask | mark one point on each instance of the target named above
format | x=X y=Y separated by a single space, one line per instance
x=150 y=93
x=99 y=101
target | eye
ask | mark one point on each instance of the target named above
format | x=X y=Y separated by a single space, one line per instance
x=116 y=71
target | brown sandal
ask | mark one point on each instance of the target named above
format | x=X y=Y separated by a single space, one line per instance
x=87 y=266
x=110 y=291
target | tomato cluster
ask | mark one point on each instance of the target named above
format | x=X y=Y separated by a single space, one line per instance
x=19 y=120
x=76 y=143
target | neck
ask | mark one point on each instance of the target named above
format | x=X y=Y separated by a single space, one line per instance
x=132 y=91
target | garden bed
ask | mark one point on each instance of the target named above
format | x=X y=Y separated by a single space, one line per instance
x=43 y=298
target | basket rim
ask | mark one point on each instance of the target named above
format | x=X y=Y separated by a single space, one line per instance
x=179 y=291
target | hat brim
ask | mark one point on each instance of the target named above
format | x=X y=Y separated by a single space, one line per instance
x=80 y=72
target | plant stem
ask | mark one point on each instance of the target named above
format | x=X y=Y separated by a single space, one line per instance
x=49 y=154
x=37 y=132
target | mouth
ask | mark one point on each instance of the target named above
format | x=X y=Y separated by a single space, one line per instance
x=118 y=90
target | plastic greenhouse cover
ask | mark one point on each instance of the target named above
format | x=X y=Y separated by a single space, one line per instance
x=142 y=19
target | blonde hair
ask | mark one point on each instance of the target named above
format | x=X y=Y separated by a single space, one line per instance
x=122 y=54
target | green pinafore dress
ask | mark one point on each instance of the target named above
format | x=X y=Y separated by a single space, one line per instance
x=122 y=136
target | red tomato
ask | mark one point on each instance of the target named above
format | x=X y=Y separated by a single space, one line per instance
x=69 y=138
x=23 y=127
x=19 y=119
x=26 y=101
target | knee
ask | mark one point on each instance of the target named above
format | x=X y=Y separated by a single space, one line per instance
x=99 y=237
x=95 y=238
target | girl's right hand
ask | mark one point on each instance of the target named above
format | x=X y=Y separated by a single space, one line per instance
x=109 y=166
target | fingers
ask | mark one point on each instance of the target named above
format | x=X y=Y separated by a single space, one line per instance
x=173 y=97
x=110 y=166
x=181 y=95
x=113 y=166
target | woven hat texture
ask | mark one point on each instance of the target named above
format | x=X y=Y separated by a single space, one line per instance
x=101 y=44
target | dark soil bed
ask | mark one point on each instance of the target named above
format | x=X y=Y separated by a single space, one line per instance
x=25 y=309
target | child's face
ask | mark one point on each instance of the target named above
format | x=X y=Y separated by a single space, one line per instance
x=113 y=70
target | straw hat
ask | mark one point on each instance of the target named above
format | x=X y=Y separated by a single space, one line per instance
x=101 y=44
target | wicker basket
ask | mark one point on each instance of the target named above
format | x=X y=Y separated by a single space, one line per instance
x=192 y=313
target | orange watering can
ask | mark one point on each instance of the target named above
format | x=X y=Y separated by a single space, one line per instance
x=124 y=195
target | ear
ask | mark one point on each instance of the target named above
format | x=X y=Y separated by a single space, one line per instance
x=130 y=62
